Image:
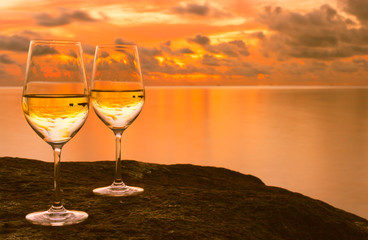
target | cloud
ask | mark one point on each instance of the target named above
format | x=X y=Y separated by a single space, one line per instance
x=39 y=50
x=30 y=34
x=300 y=69
x=315 y=66
x=150 y=52
x=200 y=10
x=14 y=43
x=210 y=60
x=225 y=58
x=5 y=59
x=340 y=66
x=148 y=61
x=233 y=48
x=88 y=49
x=247 y=70
x=66 y=17
x=166 y=60
x=259 y=35
x=186 y=51
x=328 y=53
x=358 y=8
x=319 y=34
x=166 y=48
x=103 y=54
x=199 y=39
x=192 y=8
x=352 y=66
x=362 y=63
x=122 y=41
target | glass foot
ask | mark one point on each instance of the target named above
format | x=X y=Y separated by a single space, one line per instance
x=118 y=190
x=59 y=217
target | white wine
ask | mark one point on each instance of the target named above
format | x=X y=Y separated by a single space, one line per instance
x=117 y=109
x=117 y=98
x=56 y=118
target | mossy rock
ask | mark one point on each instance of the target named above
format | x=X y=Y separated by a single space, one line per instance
x=179 y=202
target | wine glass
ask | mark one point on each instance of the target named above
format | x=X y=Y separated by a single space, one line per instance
x=55 y=104
x=117 y=97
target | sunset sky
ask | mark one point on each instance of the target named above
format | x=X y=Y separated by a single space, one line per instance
x=217 y=42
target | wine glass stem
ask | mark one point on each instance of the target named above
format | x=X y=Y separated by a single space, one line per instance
x=118 y=179
x=57 y=193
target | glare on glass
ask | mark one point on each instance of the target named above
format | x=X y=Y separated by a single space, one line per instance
x=55 y=104
x=117 y=97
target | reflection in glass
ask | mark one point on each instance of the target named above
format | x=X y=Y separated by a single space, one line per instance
x=55 y=104
x=117 y=97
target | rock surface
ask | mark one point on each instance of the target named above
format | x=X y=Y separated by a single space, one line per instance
x=179 y=202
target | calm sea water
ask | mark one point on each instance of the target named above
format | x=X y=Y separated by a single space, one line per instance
x=309 y=140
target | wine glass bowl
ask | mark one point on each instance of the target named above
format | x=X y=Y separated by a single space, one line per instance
x=117 y=97
x=55 y=104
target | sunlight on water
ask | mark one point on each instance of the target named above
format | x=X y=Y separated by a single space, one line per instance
x=313 y=141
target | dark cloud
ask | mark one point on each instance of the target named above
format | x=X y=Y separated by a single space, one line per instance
x=325 y=70
x=47 y=20
x=323 y=23
x=320 y=34
x=71 y=66
x=233 y=48
x=155 y=61
x=200 y=10
x=210 y=60
x=151 y=52
x=259 y=35
x=30 y=34
x=199 y=39
x=167 y=43
x=151 y=66
x=224 y=48
x=186 y=51
x=362 y=63
x=224 y=59
x=348 y=67
x=315 y=66
x=65 y=18
x=81 y=16
x=72 y=53
x=88 y=49
x=355 y=65
x=148 y=61
x=5 y=59
x=240 y=46
x=359 y=8
x=308 y=66
x=247 y=69
x=14 y=43
x=103 y=54
x=193 y=8
x=328 y=53
x=39 y=50
x=166 y=48
x=122 y=41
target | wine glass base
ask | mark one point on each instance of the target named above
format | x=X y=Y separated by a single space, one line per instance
x=118 y=191
x=57 y=218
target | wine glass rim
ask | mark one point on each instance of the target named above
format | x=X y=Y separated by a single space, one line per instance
x=43 y=41
x=122 y=45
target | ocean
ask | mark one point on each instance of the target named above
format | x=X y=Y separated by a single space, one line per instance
x=311 y=140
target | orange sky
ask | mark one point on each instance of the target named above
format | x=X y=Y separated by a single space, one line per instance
x=218 y=42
